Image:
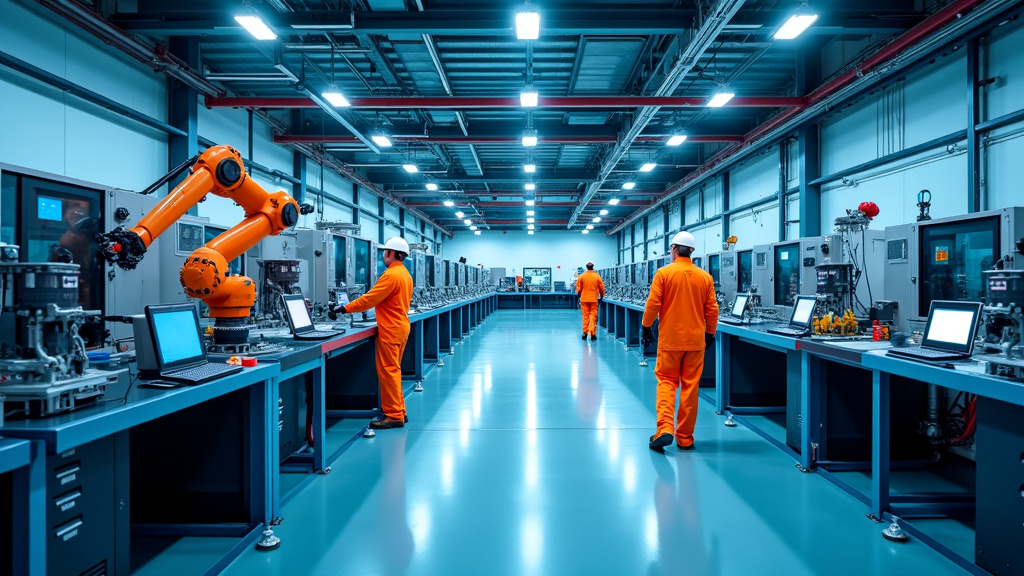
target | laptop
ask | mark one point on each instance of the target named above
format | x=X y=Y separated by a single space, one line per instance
x=300 y=321
x=948 y=335
x=800 y=322
x=178 y=344
x=738 y=308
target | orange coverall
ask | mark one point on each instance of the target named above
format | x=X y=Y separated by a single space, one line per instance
x=590 y=287
x=391 y=296
x=683 y=299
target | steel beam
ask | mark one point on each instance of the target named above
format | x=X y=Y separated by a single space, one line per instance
x=335 y=139
x=512 y=102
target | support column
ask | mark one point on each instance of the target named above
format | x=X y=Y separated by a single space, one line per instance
x=808 y=77
x=726 y=191
x=355 y=205
x=973 y=145
x=183 y=104
x=783 y=177
x=380 y=220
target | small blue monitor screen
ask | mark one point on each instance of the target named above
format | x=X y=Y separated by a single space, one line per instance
x=177 y=336
x=50 y=208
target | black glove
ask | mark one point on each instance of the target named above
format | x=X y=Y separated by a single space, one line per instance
x=333 y=312
x=600 y=299
x=709 y=339
x=646 y=337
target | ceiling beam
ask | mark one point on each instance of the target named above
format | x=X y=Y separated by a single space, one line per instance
x=499 y=103
x=540 y=205
x=312 y=139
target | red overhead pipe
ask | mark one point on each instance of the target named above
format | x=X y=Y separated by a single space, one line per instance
x=300 y=139
x=470 y=103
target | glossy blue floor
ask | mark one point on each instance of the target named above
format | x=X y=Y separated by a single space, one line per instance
x=527 y=454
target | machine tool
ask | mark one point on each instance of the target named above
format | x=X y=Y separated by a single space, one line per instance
x=204 y=275
x=852 y=262
x=45 y=370
x=1004 y=323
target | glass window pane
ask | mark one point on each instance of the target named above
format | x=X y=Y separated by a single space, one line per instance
x=787 y=274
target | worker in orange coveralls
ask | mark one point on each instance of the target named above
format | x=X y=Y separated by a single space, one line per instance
x=590 y=287
x=683 y=299
x=391 y=296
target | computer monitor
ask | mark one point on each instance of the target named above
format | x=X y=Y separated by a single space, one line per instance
x=952 y=325
x=803 y=311
x=739 y=306
x=297 y=313
x=177 y=339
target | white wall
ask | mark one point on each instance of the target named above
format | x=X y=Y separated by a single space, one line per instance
x=515 y=250
x=45 y=129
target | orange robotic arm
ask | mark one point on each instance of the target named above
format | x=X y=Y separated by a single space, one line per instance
x=204 y=275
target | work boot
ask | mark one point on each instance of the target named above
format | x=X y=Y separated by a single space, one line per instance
x=385 y=422
x=593 y=336
x=659 y=441
x=681 y=447
x=584 y=335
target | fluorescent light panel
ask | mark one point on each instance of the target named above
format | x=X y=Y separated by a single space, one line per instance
x=586 y=231
x=459 y=214
x=467 y=221
x=477 y=232
x=432 y=187
x=529 y=212
x=676 y=140
x=590 y=226
x=528 y=98
x=257 y=27
x=529 y=226
x=382 y=141
x=529 y=139
x=472 y=227
x=449 y=203
x=628 y=185
x=529 y=220
x=613 y=201
x=530 y=202
x=596 y=219
x=648 y=167
x=720 y=99
x=335 y=98
x=603 y=212
x=531 y=186
x=529 y=168
x=410 y=168
x=530 y=232
x=795 y=26
x=528 y=25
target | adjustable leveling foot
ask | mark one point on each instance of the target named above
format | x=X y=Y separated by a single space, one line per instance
x=268 y=541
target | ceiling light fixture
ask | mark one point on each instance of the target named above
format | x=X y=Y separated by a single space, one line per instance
x=648 y=167
x=334 y=96
x=432 y=187
x=459 y=214
x=603 y=212
x=530 y=220
x=590 y=226
x=531 y=186
x=613 y=201
x=467 y=221
x=257 y=27
x=477 y=232
x=529 y=212
x=530 y=202
x=528 y=25
x=449 y=203
x=596 y=219
x=530 y=137
x=676 y=140
x=720 y=99
x=529 y=168
x=586 y=231
x=381 y=140
x=628 y=185
x=795 y=26
x=529 y=226
x=472 y=227
x=528 y=98
x=410 y=168
x=530 y=232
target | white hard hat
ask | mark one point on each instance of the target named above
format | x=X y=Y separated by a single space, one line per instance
x=397 y=244
x=684 y=239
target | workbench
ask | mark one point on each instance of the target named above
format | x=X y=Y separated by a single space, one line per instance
x=537 y=300
x=203 y=465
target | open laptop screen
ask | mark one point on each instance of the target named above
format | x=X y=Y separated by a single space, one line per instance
x=176 y=335
x=739 y=305
x=802 y=311
x=952 y=325
x=295 y=304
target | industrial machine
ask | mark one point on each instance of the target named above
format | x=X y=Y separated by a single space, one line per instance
x=326 y=263
x=791 y=271
x=205 y=273
x=1004 y=322
x=944 y=259
x=851 y=274
x=44 y=366
x=728 y=275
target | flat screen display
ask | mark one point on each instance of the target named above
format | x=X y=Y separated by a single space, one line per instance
x=50 y=209
x=802 y=311
x=177 y=336
x=298 y=312
x=951 y=326
x=739 y=305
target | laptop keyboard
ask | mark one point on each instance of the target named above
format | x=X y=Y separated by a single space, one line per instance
x=321 y=333
x=925 y=352
x=201 y=373
x=787 y=331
